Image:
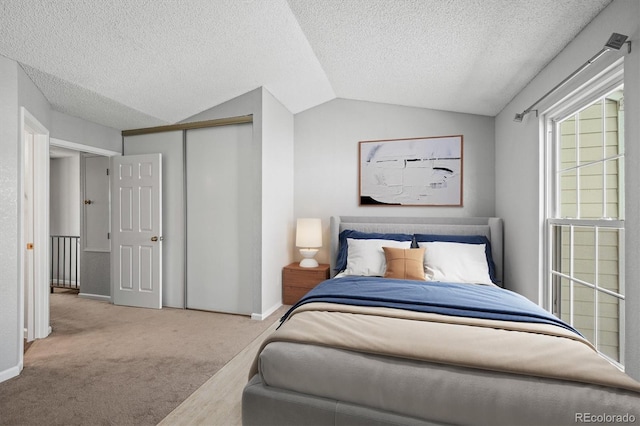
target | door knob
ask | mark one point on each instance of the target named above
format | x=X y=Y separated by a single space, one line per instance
x=154 y=239
x=88 y=201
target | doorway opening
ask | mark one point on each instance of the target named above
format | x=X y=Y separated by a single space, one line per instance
x=80 y=218
x=64 y=218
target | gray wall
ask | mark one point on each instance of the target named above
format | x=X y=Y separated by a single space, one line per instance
x=64 y=195
x=519 y=171
x=73 y=129
x=17 y=90
x=32 y=99
x=10 y=332
x=278 y=224
x=95 y=275
x=326 y=158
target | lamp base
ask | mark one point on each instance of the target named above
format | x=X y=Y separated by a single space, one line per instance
x=308 y=261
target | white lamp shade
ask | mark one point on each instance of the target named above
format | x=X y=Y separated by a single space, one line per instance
x=309 y=233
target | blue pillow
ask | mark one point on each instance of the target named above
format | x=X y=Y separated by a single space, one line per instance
x=466 y=239
x=341 y=259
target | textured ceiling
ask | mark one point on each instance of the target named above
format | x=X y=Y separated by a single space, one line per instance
x=133 y=63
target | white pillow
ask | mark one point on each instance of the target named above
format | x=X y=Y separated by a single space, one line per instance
x=366 y=257
x=456 y=262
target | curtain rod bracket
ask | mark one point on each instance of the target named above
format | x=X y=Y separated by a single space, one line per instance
x=521 y=115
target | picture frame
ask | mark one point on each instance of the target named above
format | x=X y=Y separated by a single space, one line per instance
x=424 y=171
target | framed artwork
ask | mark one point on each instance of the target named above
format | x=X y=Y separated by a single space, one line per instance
x=411 y=172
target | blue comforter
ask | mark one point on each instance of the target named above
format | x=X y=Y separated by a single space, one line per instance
x=464 y=300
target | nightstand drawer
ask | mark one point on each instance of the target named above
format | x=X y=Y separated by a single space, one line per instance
x=303 y=278
x=291 y=295
x=297 y=281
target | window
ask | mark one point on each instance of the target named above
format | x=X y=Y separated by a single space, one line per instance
x=585 y=216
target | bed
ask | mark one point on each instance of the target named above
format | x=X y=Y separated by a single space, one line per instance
x=381 y=344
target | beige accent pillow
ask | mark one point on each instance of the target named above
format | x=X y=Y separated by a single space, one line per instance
x=366 y=257
x=404 y=264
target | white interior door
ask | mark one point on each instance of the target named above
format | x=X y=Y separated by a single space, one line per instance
x=221 y=200
x=136 y=255
x=171 y=146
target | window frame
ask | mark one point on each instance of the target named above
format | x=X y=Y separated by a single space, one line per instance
x=581 y=98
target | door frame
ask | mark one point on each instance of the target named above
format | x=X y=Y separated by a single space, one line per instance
x=38 y=296
x=28 y=234
x=82 y=148
x=42 y=142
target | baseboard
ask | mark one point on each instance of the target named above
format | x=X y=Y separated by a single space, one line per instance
x=262 y=317
x=95 y=297
x=26 y=334
x=10 y=373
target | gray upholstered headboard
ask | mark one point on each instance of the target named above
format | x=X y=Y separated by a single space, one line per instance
x=491 y=227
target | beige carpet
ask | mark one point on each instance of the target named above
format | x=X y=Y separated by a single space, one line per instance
x=219 y=401
x=112 y=365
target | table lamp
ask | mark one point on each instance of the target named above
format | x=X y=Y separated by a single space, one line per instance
x=308 y=239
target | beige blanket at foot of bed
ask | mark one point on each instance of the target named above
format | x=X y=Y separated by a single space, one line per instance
x=522 y=348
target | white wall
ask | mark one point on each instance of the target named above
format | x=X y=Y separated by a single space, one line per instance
x=77 y=130
x=33 y=100
x=64 y=195
x=17 y=90
x=519 y=172
x=326 y=158
x=277 y=198
x=9 y=225
x=631 y=11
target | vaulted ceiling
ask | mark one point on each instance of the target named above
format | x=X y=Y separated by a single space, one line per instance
x=134 y=63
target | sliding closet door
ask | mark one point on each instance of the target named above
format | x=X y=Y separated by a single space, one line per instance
x=221 y=199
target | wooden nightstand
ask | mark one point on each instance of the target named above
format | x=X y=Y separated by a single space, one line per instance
x=297 y=281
